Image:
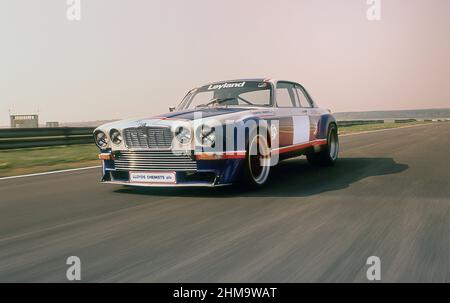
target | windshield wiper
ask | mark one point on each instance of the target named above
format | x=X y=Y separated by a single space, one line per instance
x=248 y=102
x=219 y=101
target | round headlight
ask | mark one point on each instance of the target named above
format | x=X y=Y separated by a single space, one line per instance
x=101 y=139
x=183 y=135
x=208 y=136
x=115 y=136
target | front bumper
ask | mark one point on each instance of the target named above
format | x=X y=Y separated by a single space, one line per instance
x=198 y=173
x=191 y=184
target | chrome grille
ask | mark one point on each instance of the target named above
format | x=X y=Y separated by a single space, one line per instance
x=154 y=160
x=148 y=137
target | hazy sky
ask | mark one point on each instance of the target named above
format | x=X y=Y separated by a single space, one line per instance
x=133 y=57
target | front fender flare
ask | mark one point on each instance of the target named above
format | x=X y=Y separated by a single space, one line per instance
x=324 y=123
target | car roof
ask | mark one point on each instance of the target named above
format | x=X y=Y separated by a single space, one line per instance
x=261 y=79
x=240 y=80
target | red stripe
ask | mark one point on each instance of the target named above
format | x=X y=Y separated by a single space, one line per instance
x=234 y=156
x=220 y=156
x=167 y=118
x=299 y=146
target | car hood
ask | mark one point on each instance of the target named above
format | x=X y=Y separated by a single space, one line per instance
x=203 y=113
x=189 y=118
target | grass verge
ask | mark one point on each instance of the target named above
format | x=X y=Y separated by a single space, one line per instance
x=378 y=126
x=43 y=159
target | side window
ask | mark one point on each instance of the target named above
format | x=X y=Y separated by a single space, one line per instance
x=302 y=98
x=286 y=95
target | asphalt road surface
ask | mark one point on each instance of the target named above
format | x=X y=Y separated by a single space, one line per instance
x=388 y=196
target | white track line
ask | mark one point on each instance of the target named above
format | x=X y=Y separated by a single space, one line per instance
x=98 y=166
x=51 y=172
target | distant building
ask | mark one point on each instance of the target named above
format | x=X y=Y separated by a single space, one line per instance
x=24 y=121
x=52 y=124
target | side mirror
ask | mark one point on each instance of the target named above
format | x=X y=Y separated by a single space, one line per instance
x=171 y=108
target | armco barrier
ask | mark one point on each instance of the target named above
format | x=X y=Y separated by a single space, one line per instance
x=11 y=138
x=405 y=120
x=358 y=122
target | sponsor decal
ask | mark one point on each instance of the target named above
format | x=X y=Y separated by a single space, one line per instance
x=153 y=177
x=262 y=84
x=226 y=85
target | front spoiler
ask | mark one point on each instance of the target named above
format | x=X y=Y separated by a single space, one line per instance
x=189 y=184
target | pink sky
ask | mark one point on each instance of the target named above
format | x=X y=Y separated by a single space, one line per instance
x=137 y=57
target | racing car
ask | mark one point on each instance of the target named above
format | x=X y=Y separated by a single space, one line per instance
x=221 y=133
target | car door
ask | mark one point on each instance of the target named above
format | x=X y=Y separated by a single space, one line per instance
x=307 y=104
x=294 y=120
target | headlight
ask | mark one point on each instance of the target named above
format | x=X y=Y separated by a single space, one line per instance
x=101 y=139
x=183 y=135
x=208 y=135
x=115 y=136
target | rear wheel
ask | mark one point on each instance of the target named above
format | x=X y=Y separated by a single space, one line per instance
x=257 y=162
x=329 y=153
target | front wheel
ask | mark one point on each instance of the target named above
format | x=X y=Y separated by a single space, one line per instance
x=329 y=153
x=257 y=162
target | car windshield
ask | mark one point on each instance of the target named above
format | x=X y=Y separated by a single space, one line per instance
x=244 y=93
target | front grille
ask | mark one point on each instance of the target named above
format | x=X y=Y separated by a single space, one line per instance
x=154 y=160
x=148 y=137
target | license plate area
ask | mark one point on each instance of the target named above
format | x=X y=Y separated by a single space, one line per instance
x=153 y=177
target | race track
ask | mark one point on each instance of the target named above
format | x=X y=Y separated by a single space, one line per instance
x=388 y=196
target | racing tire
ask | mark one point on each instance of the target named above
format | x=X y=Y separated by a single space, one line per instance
x=328 y=155
x=256 y=170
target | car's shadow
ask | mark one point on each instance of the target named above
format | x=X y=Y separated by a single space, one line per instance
x=292 y=178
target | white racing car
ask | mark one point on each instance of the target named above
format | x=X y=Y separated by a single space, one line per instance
x=220 y=133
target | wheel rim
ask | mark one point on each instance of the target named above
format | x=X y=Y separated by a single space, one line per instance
x=333 y=144
x=259 y=159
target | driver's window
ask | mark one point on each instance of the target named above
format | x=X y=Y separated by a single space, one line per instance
x=302 y=97
x=286 y=95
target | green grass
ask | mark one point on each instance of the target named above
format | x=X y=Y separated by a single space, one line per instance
x=378 y=126
x=42 y=159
